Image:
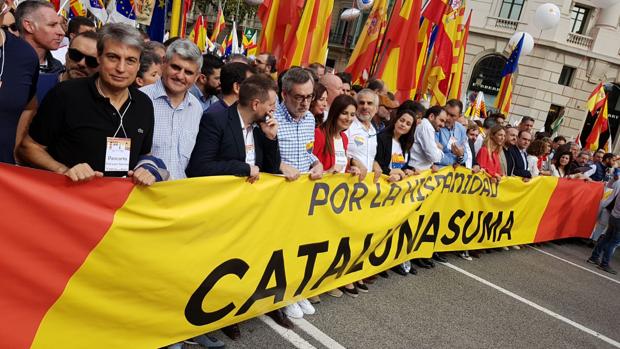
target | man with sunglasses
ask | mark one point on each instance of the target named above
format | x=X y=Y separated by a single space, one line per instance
x=81 y=59
x=8 y=23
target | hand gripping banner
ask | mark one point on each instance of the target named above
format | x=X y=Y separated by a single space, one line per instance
x=105 y=264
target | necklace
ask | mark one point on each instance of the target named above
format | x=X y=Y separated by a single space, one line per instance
x=3 y=58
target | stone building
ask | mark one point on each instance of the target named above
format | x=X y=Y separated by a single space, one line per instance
x=557 y=77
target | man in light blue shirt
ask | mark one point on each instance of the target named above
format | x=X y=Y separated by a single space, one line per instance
x=453 y=136
x=177 y=112
x=208 y=86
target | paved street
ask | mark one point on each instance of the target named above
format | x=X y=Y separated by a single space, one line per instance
x=536 y=297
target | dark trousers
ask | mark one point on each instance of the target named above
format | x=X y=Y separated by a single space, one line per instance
x=606 y=244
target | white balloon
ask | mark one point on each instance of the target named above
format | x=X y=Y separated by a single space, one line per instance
x=547 y=16
x=350 y=14
x=365 y=4
x=253 y=2
x=603 y=3
x=528 y=42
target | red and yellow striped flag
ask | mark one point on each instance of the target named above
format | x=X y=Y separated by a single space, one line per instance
x=460 y=46
x=368 y=43
x=309 y=44
x=600 y=126
x=199 y=33
x=220 y=23
x=503 y=100
x=397 y=65
x=596 y=99
x=279 y=19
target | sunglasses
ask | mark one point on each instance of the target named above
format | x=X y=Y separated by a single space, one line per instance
x=12 y=27
x=76 y=56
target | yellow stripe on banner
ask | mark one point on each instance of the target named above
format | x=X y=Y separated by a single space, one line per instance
x=182 y=255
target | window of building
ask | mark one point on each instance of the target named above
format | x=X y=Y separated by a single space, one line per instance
x=487 y=75
x=555 y=113
x=566 y=76
x=578 y=19
x=511 y=9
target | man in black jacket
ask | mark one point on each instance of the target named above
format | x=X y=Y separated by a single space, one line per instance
x=519 y=155
x=241 y=140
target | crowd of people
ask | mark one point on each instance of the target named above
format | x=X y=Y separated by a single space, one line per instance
x=90 y=103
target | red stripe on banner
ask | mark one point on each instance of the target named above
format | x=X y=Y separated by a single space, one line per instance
x=559 y=221
x=45 y=240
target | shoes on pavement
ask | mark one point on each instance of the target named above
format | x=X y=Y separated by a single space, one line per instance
x=440 y=258
x=335 y=293
x=399 y=270
x=430 y=262
x=608 y=269
x=465 y=256
x=505 y=248
x=306 y=307
x=233 y=332
x=293 y=311
x=592 y=261
x=209 y=342
x=315 y=300
x=475 y=254
x=175 y=346
x=361 y=287
x=421 y=263
x=352 y=292
x=384 y=274
x=516 y=247
x=280 y=318
x=370 y=280
x=413 y=271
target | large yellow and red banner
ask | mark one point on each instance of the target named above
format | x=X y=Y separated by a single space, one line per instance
x=108 y=265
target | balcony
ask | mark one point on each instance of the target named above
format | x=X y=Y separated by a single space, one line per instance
x=337 y=39
x=504 y=24
x=579 y=40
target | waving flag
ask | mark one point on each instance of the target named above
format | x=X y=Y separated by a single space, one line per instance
x=121 y=11
x=157 y=29
x=76 y=9
x=309 y=44
x=97 y=8
x=249 y=42
x=397 y=65
x=596 y=99
x=504 y=97
x=368 y=44
x=456 y=85
x=435 y=10
x=600 y=126
x=199 y=34
x=279 y=19
x=220 y=23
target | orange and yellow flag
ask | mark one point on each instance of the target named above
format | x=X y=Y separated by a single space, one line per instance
x=600 y=126
x=199 y=34
x=368 y=44
x=279 y=19
x=460 y=46
x=397 y=65
x=309 y=44
x=220 y=23
x=596 y=99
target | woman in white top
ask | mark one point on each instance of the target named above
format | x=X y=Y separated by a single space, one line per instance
x=534 y=152
x=393 y=145
x=560 y=166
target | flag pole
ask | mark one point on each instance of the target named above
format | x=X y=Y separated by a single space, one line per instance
x=382 y=48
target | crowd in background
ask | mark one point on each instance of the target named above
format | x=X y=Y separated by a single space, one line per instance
x=90 y=103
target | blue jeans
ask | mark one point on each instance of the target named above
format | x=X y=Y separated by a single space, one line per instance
x=607 y=243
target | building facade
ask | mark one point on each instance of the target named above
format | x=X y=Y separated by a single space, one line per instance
x=555 y=79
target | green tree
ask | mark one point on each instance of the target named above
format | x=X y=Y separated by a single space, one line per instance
x=230 y=8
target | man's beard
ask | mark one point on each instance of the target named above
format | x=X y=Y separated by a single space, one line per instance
x=211 y=91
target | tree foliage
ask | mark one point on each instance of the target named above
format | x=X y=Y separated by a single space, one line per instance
x=230 y=8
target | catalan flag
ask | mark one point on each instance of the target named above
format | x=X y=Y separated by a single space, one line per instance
x=435 y=10
x=398 y=63
x=309 y=44
x=600 y=126
x=187 y=5
x=504 y=97
x=199 y=34
x=456 y=85
x=220 y=23
x=279 y=19
x=368 y=44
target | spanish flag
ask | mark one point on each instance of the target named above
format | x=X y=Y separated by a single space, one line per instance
x=199 y=34
x=309 y=44
x=187 y=5
x=76 y=8
x=279 y=19
x=596 y=99
x=367 y=47
x=460 y=46
x=600 y=126
x=504 y=97
x=220 y=23
x=435 y=10
x=397 y=65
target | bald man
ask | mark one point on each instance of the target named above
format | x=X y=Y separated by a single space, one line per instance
x=333 y=84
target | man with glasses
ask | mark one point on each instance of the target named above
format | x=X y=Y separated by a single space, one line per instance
x=81 y=59
x=265 y=63
x=296 y=131
x=8 y=23
x=18 y=81
x=77 y=25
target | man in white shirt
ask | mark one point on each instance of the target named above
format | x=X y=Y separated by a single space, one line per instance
x=426 y=150
x=362 y=135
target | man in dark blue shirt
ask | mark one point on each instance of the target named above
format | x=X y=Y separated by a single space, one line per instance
x=600 y=172
x=18 y=84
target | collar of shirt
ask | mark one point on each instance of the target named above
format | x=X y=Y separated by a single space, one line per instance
x=288 y=117
x=93 y=86
x=243 y=128
x=160 y=92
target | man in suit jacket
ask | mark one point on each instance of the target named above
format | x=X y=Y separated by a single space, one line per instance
x=241 y=140
x=518 y=153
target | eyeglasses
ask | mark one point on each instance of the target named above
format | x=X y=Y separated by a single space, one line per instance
x=300 y=98
x=76 y=56
x=12 y=27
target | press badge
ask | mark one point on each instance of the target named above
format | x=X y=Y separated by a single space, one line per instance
x=117 y=154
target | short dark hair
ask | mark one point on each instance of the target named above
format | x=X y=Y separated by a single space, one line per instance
x=559 y=138
x=148 y=58
x=238 y=56
x=86 y=35
x=210 y=62
x=76 y=22
x=256 y=86
x=406 y=140
x=522 y=132
x=527 y=118
x=435 y=110
x=608 y=156
x=489 y=122
x=416 y=107
x=376 y=85
x=536 y=148
x=345 y=77
x=232 y=73
x=27 y=8
x=295 y=76
x=171 y=40
x=455 y=103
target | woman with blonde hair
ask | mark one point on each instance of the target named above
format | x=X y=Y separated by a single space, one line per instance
x=488 y=155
